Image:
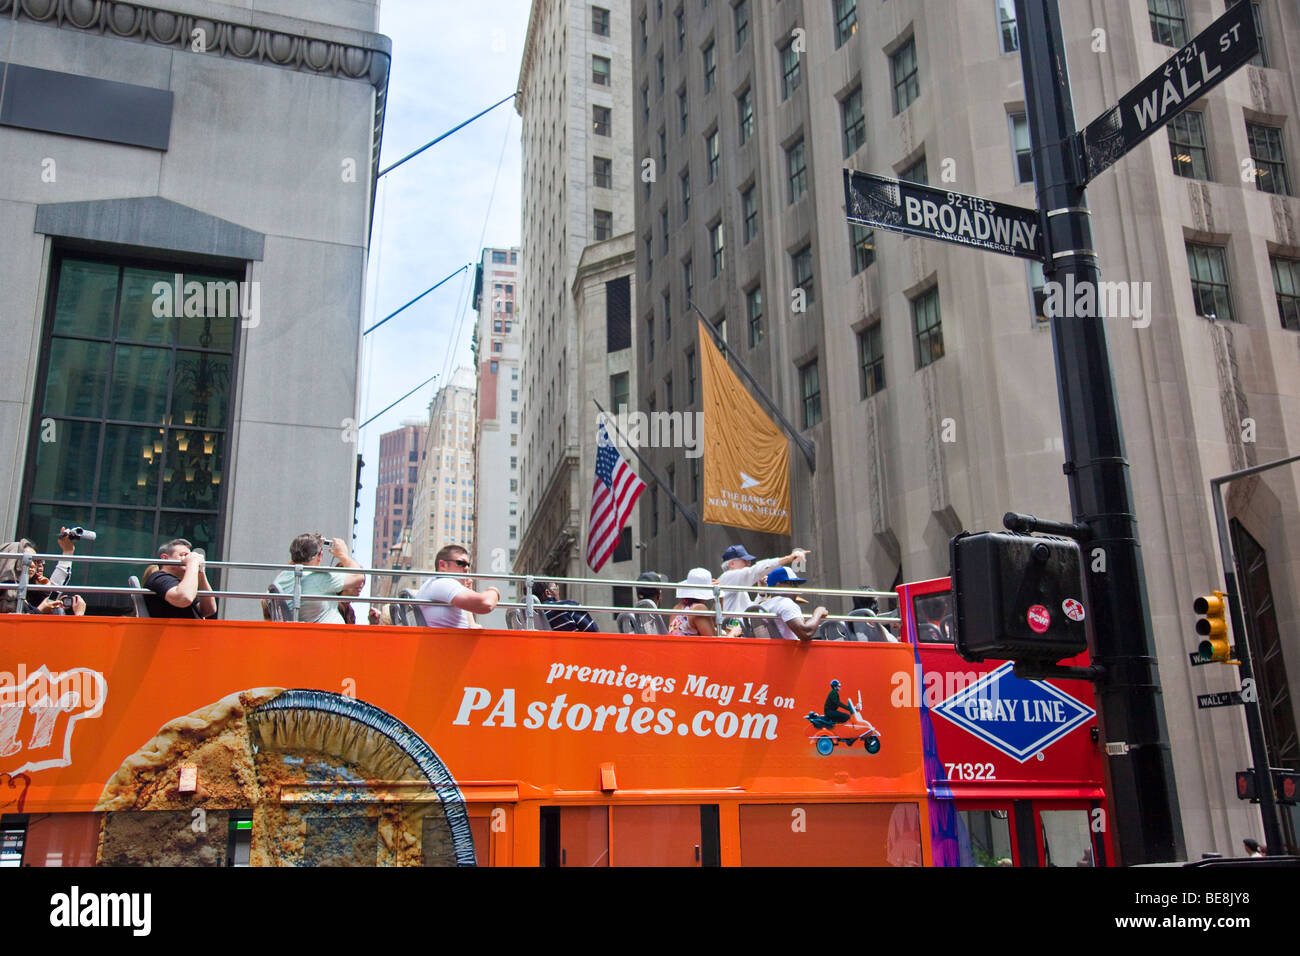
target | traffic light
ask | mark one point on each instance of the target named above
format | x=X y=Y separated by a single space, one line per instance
x=1018 y=597
x=1212 y=627
x=1246 y=789
x=1285 y=783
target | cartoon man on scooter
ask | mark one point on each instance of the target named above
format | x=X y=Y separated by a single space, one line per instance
x=842 y=725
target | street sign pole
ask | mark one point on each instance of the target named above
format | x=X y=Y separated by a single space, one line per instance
x=1148 y=825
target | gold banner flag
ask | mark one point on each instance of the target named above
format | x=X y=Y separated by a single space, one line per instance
x=746 y=456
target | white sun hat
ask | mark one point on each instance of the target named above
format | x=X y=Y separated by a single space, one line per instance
x=697 y=586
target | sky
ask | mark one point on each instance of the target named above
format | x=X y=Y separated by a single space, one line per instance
x=451 y=59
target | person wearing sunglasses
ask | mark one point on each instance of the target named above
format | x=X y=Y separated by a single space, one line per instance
x=453 y=600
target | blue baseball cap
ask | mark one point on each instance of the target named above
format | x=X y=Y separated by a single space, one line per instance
x=737 y=551
x=781 y=576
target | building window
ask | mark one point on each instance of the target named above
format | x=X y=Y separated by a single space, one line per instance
x=1269 y=159
x=797 y=170
x=645 y=102
x=140 y=404
x=680 y=17
x=855 y=124
x=493 y=365
x=654 y=510
x=871 y=360
x=1187 y=145
x=668 y=394
x=672 y=490
x=1020 y=146
x=645 y=32
x=514 y=463
x=690 y=377
x=928 y=328
x=1168 y=22
x=668 y=315
x=600 y=70
x=745 y=110
x=811 y=390
x=600 y=21
x=1208 y=266
x=682 y=110
x=803 y=272
x=688 y=281
x=716 y=249
x=1286 y=284
x=498 y=257
x=1257 y=16
x=663 y=229
x=902 y=65
x=514 y=418
x=695 y=479
x=710 y=67
x=603 y=172
x=650 y=339
x=686 y=196
x=496 y=346
x=663 y=77
x=600 y=120
x=514 y=486
x=754 y=310
x=618 y=391
x=749 y=213
x=741 y=11
x=648 y=241
x=846 y=20
x=916 y=173
x=1037 y=291
x=711 y=152
x=604 y=224
x=1008 y=34
x=514 y=532
x=663 y=149
x=790 y=73
x=864 y=246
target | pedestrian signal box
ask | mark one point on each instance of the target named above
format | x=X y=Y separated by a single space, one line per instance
x=1018 y=597
x=1285 y=783
x=1212 y=627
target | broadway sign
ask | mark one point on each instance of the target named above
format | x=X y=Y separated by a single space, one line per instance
x=917 y=210
x=1225 y=45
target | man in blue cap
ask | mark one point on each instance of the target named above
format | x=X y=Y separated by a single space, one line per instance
x=741 y=569
x=790 y=621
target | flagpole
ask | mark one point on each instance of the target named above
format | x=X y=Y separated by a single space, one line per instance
x=805 y=445
x=686 y=512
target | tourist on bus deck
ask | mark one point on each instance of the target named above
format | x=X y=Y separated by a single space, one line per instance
x=186 y=596
x=790 y=621
x=456 y=598
x=548 y=592
x=741 y=569
x=1253 y=848
x=650 y=593
x=38 y=600
x=309 y=550
x=696 y=619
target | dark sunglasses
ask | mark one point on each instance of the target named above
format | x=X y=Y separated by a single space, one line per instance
x=461 y=563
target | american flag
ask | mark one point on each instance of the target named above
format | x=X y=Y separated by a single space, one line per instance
x=612 y=496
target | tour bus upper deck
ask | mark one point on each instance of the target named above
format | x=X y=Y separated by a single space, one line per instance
x=303 y=743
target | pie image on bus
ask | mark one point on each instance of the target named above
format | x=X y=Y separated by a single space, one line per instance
x=326 y=780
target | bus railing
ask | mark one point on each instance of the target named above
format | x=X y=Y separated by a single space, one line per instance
x=530 y=604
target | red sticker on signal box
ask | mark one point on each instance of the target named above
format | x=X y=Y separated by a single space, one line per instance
x=1073 y=609
x=1038 y=619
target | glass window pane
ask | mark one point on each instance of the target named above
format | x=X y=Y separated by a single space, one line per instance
x=126 y=532
x=584 y=836
x=140 y=376
x=1067 y=840
x=65 y=467
x=193 y=474
x=87 y=291
x=78 y=373
x=984 y=837
x=195 y=527
x=202 y=389
x=137 y=321
x=229 y=300
x=129 y=473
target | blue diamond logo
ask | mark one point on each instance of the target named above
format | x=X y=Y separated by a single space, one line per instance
x=1018 y=717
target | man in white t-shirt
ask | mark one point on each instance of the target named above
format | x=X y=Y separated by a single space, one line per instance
x=739 y=569
x=456 y=599
x=790 y=621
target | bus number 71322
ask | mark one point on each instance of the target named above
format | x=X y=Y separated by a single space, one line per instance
x=970 y=771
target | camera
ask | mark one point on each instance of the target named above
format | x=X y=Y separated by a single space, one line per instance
x=77 y=534
x=66 y=601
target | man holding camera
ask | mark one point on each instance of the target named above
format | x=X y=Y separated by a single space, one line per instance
x=186 y=596
x=309 y=550
x=39 y=600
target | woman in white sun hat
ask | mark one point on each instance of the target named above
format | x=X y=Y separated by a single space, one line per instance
x=696 y=619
